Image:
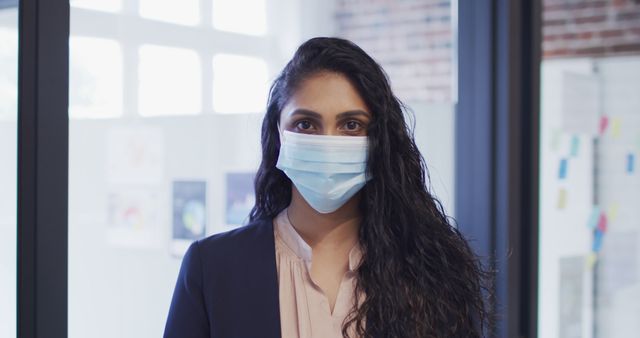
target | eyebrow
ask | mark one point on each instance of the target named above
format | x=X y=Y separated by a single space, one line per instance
x=317 y=116
x=352 y=113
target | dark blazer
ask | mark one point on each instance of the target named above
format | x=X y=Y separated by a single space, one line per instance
x=228 y=287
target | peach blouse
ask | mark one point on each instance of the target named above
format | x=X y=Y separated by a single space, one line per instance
x=304 y=308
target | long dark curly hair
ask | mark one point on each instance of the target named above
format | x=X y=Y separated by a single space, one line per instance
x=418 y=276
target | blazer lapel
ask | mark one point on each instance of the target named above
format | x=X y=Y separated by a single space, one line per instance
x=263 y=308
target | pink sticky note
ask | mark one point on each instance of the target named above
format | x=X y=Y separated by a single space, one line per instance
x=602 y=223
x=604 y=122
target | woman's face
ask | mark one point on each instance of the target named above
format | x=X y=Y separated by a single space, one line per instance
x=326 y=103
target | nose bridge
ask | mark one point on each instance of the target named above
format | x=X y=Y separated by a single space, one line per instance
x=331 y=126
x=331 y=131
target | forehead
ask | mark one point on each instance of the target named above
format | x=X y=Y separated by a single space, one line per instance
x=327 y=93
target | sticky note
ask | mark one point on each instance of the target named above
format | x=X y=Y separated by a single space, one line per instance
x=630 y=163
x=602 y=222
x=615 y=127
x=613 y=212
x=597 y=240
x=562 y=199
x=562 y=172
x=604 y=122
x=592 y=259
x=575 y=145
x=594 y=217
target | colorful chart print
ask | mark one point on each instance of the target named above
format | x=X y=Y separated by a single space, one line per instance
x=189 y=209
x=133 y=219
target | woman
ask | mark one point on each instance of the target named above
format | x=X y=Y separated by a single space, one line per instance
x=344 y=239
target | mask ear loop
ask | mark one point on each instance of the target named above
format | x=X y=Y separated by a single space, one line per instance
x=281 y=133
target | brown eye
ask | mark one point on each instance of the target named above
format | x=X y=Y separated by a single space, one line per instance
x=353 y=125
x=303 y=125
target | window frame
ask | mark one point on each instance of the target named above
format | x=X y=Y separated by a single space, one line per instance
x=43 y=130
x=497 y=150
x=135 y=31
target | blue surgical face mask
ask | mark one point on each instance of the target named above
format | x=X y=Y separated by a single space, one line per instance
x=327 y=170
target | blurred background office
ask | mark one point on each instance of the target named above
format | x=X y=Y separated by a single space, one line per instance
x=165 y=104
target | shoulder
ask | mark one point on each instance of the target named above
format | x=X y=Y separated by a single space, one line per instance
x=251 y=233
x=227 y=260
x=233 y=245
x=216 y=284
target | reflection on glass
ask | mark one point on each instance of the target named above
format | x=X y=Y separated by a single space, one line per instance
x=184 y=12
x=164 y=88
x=98 y=5
x=240 y=16
x=8 y=165
x=589 y=281
x=95 y=82
x=239 y=84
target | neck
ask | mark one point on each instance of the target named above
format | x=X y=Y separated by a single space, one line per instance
x=336 y=229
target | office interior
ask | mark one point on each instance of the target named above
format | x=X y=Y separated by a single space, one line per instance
x=165 y=105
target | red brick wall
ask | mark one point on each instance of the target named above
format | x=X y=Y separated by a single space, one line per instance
x=590 y=27
x=411 y=39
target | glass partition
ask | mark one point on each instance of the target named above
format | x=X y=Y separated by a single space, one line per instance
x=166 y=103
x=589 y=280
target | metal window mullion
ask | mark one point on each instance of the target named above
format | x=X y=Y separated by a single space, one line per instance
x=42 y=168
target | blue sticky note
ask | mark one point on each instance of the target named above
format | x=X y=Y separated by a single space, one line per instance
x=597 y=240
x=575 y=145
x=630 y=163
x=594 y=217
x=562 y=173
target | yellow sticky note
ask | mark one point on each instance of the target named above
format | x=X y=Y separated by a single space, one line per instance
x=612 y=213
x=562 y=198
x=592 y=258
x=615 y=127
